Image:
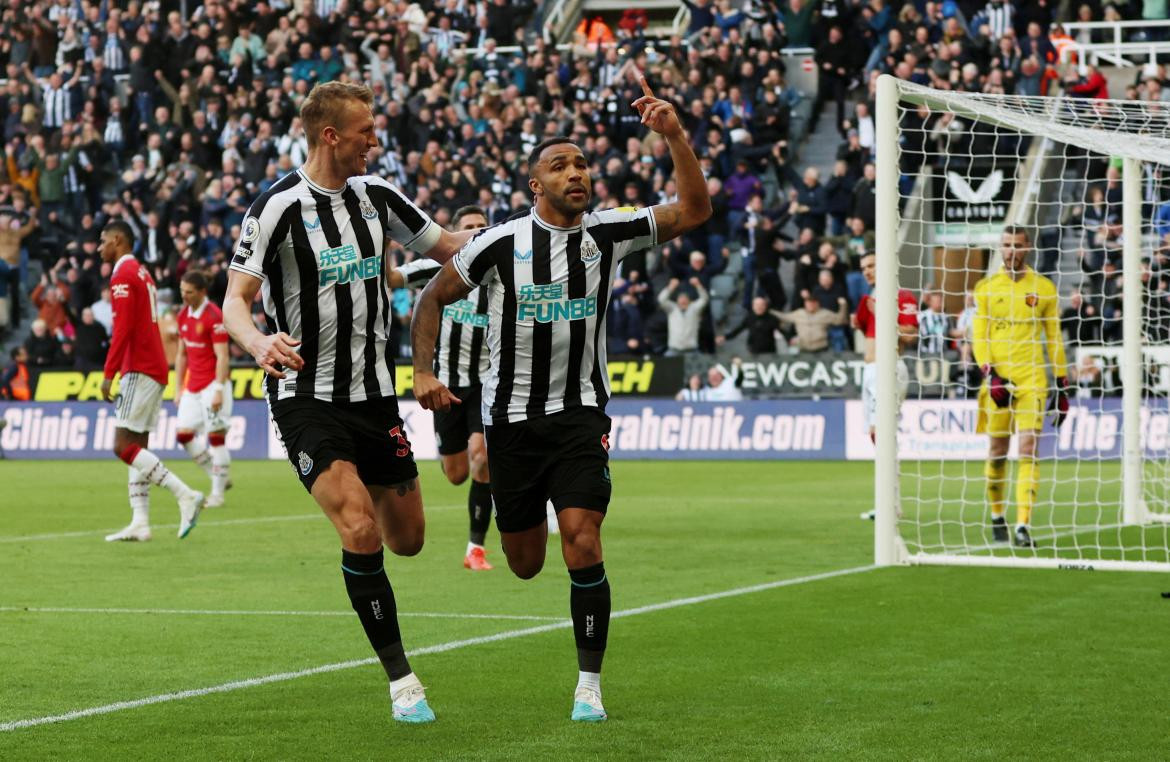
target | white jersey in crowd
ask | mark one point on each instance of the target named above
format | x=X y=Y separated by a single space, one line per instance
x=320 y=253
x=548 y=289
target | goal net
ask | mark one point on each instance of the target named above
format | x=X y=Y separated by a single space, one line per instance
x=1088 y=183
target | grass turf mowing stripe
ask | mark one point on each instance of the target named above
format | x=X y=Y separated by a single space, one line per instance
x=243 y=612
x=452 y=645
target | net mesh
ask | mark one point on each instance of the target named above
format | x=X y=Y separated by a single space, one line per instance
x=968 y=165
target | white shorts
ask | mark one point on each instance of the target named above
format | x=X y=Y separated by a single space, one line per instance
x=137 y=403
x=195 y=413
x=869 y=390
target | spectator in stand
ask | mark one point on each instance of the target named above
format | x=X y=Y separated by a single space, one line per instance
x=103 y=310
x=839 y=196
x=865 y=197
x=41 y=346
x=812 y=324
x=807 y=200
x=51 y=298
x=725 y=387
x=624 y=321
x=834 y=69
x=684 y=316
x=1092 y=85
x=933 y=326
x=92 y=342
x=740 y=186
x=13 y=231
x=1081 y=321
x=762 y=324
x=14 y=382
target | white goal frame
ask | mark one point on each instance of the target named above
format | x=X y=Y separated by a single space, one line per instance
x=889 y=547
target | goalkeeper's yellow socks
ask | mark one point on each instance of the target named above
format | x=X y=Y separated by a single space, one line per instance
x=996 y=472
x=1026 y=482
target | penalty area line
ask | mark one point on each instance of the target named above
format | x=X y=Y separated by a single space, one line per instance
x=452 y=645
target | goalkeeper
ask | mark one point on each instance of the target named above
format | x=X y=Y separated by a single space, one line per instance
x=1016 y=314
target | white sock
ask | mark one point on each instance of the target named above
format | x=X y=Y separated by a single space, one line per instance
x=470 y=547
x=221 y=462
x=590 y=680
x=139 y=496
x=156 y=473
x=197 y=449
x=402 y=683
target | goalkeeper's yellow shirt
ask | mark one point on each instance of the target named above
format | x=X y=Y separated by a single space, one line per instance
x=1013 y=322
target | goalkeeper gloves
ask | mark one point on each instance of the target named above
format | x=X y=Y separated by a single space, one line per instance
x=997 y=387
x=1058 y=402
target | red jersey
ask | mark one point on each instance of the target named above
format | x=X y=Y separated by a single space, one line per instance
x=200 y=331
x=136 y=346
x=907 y=312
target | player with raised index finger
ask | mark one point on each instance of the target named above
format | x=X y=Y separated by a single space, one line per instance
x=549 y=275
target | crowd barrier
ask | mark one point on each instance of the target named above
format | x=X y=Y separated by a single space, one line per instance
x=648 y=429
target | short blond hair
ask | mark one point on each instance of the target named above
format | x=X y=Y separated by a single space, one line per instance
x=324 y=106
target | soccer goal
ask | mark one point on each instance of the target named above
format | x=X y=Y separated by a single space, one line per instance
x=1089 y=183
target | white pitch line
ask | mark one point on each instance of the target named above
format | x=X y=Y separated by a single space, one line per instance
x=452 y=645
x=246 y=612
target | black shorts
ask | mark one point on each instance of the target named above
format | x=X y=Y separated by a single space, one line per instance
x=562 y=457
x=455 y=426
x=368 y=434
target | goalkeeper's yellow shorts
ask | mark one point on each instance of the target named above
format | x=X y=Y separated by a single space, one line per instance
x=1025 y=413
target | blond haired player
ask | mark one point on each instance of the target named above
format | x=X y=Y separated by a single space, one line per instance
x=1017 y=313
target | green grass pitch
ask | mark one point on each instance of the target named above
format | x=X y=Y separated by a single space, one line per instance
x=903 y=663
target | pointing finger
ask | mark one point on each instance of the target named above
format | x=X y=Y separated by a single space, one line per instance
x=645 y=86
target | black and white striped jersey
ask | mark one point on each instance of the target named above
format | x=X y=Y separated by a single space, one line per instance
x=320 y=254
x=548 y=289
x=461 y=357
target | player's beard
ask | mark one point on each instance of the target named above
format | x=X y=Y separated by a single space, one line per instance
x=569 y=206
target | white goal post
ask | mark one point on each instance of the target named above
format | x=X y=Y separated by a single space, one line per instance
x=952 y=170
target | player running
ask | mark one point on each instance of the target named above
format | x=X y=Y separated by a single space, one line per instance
x=1016 y=313
x=548 y=275
x=865 y=320
x=313 y=244
x=203 y=391
x=136 y=351
x=461 y=360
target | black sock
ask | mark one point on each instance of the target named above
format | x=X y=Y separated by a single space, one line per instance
x=373 y=600
x=479 y=508
x=589 y=604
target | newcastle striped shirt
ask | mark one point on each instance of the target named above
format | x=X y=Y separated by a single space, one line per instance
x=320 y=254
x=461 y=357
x=548 y=289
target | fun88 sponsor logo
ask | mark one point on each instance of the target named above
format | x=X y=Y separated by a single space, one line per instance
x=341 y=265
x=546 y=303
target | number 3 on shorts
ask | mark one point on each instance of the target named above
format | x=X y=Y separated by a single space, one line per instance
x=403 y=445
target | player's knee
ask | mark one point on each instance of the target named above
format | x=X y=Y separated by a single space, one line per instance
x=405 y=542
x=581 y=545
x=359 y=533
x=183 y=437
x=525 y=567
x=216 y=439
x=454 y=468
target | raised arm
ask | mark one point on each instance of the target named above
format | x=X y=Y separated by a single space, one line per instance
x=446 y=287
x=693 y=206
x=270 y=352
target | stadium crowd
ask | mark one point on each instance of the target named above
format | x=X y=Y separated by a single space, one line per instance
x=128 y=109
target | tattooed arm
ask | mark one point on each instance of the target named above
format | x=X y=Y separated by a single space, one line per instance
x=693 y=207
